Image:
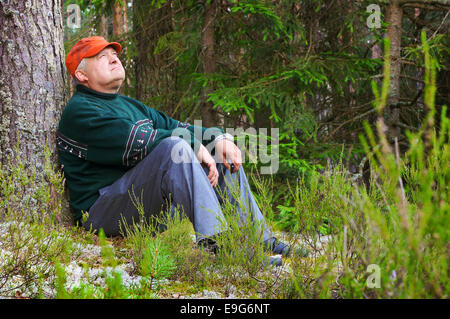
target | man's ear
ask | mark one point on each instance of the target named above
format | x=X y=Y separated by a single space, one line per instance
x=81 y=76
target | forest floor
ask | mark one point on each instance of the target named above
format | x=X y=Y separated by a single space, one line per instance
x=88 y=267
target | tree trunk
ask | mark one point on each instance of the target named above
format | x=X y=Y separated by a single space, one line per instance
x=102 y=23
x=394 y=33
x=155 y=73
x=120 y=23
x=120 y=26
x=32 y=78
x=209 y=60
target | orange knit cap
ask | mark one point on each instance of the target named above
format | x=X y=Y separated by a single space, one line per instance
x=86 y=48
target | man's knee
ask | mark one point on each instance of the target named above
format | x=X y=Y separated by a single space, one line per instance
x=178 y=149
x=171 y=141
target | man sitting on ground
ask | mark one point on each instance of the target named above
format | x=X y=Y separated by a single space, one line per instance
x=111 y=145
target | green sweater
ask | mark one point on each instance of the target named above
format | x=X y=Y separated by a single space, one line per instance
x=101 y=136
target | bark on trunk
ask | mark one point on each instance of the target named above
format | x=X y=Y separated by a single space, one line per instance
x=120 y=23
x=155 y=73
x=102 y=23
x=209 y=60
x=394 y=18
x=32 y=77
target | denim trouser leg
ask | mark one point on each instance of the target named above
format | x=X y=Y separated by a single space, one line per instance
x=162 y=175
x=231 y=185
x=154 y=180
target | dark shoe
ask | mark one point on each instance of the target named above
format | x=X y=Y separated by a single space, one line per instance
x=274 y=261
x=269 y=260
x=208 y=244
x=278 y=247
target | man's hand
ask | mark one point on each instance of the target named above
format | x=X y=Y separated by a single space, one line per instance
x=205 y=158
x=227 y=150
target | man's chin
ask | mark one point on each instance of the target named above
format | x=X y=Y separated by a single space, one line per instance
x=116 y=84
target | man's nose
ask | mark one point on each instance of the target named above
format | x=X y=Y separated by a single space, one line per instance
x=113 y=58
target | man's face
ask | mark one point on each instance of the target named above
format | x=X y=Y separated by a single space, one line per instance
x=103 y=72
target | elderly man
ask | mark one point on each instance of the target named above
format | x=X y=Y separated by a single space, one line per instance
x=111 y=146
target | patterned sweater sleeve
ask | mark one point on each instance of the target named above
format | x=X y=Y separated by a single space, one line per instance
x=194 y=134
x=106 y=138
x=97 y=135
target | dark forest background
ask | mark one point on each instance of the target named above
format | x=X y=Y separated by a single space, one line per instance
x=304 y=67
x=358 y=90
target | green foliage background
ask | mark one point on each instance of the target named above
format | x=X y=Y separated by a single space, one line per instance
x=312 y=69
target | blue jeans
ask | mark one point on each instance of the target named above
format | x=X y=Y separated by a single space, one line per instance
x=158 y=178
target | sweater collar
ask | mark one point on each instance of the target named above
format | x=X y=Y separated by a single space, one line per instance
x=85 y=89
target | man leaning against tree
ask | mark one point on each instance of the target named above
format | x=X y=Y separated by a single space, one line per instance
x=112 y=146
